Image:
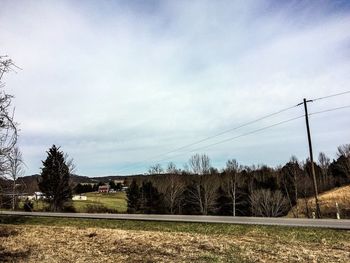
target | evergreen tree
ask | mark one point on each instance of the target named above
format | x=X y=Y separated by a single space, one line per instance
x=83 y=188
x=223 y=201
x=112 y=185
x=133 y=197
x=54 y=179
x=151 y=200
x=119 y=187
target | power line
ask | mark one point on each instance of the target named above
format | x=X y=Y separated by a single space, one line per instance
x=238 y=127
x=328 y=110
x=213 y=136
x=254 y=131
x=270 y=126
x=227 y=131
x=232 y=138
x=243 y=125
x=238 y=136
x=332 y=95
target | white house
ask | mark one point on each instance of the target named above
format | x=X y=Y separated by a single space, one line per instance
x=79 y=197
x=39 y=195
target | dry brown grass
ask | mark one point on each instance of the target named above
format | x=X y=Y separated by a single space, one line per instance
x=327 y=201
x=26 y=243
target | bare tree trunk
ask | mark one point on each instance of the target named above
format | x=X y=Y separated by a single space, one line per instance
x=232 y=169
x=234 y=195
x=288 y=197
x=307 y=210
x=296 y=195
x=13 y=195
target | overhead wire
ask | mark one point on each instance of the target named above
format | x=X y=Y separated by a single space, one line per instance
x=238 y=136
x=328 y=110
x=227 y=131
x=213 y=136
x=252 y=132
x=330 y=96
x=238 y=127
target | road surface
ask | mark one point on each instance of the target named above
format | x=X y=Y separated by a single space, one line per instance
x=301 y=222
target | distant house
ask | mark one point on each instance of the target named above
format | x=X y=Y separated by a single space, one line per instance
x=119 y=181
x=79 y=197
x=103 y=189
x=39 y=195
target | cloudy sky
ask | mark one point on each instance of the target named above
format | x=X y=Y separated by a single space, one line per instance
x=116 y=83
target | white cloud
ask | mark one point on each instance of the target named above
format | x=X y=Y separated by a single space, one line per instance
x=115 y=83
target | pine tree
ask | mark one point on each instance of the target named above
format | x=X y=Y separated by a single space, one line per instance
x=133 y=197
x=54 y=179
x=224 y=208
x=151 y=200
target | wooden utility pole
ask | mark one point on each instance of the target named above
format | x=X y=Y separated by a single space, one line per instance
x=318 y=211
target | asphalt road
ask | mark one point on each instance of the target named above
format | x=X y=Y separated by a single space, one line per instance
x=300 y=222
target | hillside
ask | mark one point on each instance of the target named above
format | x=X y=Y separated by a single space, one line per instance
x=31 y=181
x=328 y=202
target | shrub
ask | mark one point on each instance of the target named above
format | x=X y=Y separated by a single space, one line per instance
x=28 y=205
x=69 y=208
x=98 y=208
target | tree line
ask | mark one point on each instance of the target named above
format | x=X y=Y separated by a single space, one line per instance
x=88 y=188
x=236 y=190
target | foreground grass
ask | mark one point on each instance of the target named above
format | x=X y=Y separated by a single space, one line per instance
x=46 y=239
x=315 y=235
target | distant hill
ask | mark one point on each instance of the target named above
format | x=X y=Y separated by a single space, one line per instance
x=106 y=179
x=31 y=181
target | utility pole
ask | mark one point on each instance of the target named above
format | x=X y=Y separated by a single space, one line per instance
x=318 y=211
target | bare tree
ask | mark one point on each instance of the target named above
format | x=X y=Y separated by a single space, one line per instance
x=344 y=150
x=8 y=128
x=203 y=193
x=172 y=186
x=344 y=153
x=324 y=163
x=231 y=184
x=70 y=163
x=155 y=169
x=291 y=180
x=200 y=164
x=171 y=168
x=195 y=163
x=15 y=171
x=266 y=203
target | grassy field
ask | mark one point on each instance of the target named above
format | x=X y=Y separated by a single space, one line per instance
x=34 y=239
x=115 y=202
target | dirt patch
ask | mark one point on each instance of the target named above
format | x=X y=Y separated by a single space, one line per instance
x=72 y=244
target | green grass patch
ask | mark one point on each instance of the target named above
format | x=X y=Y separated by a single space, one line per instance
x=278 y=233
x=115 y=201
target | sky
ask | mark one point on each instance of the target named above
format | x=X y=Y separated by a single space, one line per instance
x=116 y=84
